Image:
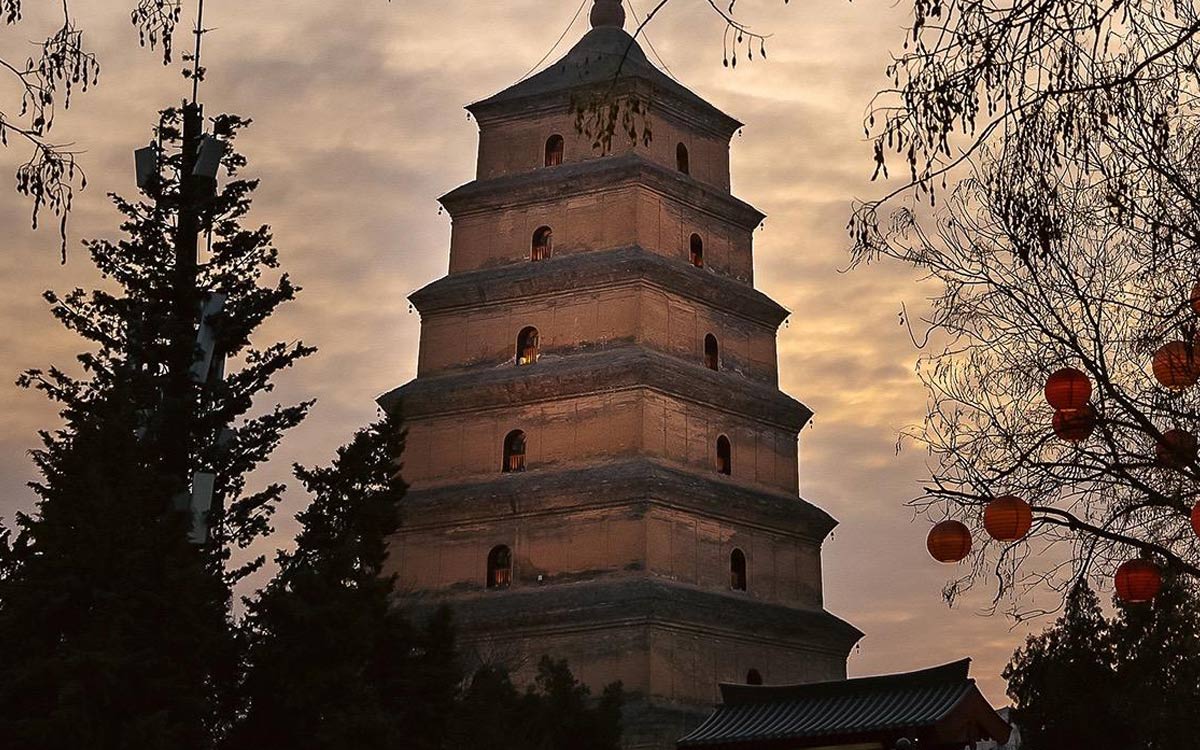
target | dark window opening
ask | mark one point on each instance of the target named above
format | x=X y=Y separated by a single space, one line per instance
x=712 y=354
x=554 y=151
x=514 y=452
x=542 y=244
x=681 y=159
x=724 y=456
x=527 y=346
x=499 y=568
x=697 y=251
x=753 y=677
x=737 y=570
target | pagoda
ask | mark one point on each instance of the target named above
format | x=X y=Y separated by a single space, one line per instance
x=602 y=467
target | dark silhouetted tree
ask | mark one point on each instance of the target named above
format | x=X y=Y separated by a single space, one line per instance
x=555 y=713
x=1132 y=681
x=1063 y=682
x=331 y=664
x=115 y=593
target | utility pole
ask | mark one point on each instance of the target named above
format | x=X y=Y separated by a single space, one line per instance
x=199 y=160
x=179 y=400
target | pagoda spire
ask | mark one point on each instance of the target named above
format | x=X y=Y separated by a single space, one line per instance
x=608 y=13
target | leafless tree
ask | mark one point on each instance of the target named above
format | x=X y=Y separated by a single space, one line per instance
x=1062 y=136
x=46 y=80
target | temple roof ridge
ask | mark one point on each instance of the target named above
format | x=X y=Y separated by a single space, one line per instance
x=605 y=53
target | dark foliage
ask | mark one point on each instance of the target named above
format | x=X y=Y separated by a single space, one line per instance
x=333 y=665
x=119 y=629
x=555 y=713
x=1132 y=681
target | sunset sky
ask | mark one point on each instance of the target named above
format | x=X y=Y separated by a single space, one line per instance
x=359 y=127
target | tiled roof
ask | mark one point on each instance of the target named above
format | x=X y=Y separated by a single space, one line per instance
x=866 y=708
x=597 y=58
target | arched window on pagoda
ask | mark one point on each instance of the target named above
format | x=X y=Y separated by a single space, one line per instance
x=753 y=677
x=737 y=570
x=712 y=353
x=542 y=244
x=724 y=456
x=499 y=567
x=697 y=251
x=514 y=452
x=681 y=159
x=527 y=346
x=554 y=150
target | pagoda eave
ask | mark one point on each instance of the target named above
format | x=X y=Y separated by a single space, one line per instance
x=597 y=176
x=635 y=482
x=594 y=270
x=605 y=369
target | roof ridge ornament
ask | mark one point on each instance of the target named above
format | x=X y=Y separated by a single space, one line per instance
x=608 y=13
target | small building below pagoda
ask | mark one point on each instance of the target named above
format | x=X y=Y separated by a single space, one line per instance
x=939 y=708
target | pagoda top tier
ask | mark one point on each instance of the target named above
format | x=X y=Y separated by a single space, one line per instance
x=605 y=56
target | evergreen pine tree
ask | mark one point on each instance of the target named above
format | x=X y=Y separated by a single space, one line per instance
x=1132 y=681
x=1063 y=682
x=331 y=663
x=555 y=713
x=1156 y=648
x=115 y=597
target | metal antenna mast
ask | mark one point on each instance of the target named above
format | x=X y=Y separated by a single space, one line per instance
x=197 y=71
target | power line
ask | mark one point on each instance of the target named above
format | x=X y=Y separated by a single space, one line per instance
x=649 y=43
x=561 y=37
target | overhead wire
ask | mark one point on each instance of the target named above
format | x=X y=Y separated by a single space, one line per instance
x=561 y=37
x=649 y=43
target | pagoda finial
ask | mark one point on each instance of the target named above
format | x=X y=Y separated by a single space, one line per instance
x=608 y=13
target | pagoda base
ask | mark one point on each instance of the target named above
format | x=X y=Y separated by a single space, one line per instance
x=669 y=644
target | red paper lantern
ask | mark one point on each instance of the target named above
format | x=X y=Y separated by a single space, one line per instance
x=1176 y=449
x=1196 y=519
x=1138 y=581
x=949 y=542
x=1174 y=366
x=1195 y=298
x=1007 y=518
x=1068 y=388
x=1074 y=425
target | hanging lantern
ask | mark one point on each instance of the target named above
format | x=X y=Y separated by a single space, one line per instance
x=1074 y=425
x=1068 y=388
x=1195 y=298
x=1007 y=518
x=949 y=542
x=1138 y=581
x=1174 y=366
x=1196 y=519
x=1176 y=449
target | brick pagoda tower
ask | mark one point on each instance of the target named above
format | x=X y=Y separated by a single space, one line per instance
x=602 y=467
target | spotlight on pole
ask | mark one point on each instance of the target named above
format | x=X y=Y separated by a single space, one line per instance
x=145 y=163
x=208 y=161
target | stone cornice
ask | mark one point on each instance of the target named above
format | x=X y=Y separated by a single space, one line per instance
x=636 y=601
x=600 y=370
x=597 y=269
x=604 y=174
x=632 y=483
x=699 y=116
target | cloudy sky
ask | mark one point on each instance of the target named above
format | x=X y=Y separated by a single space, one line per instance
x=359 y=127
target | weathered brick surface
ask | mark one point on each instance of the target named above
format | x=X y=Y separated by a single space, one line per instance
x=603 y=203
x=620 y=527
